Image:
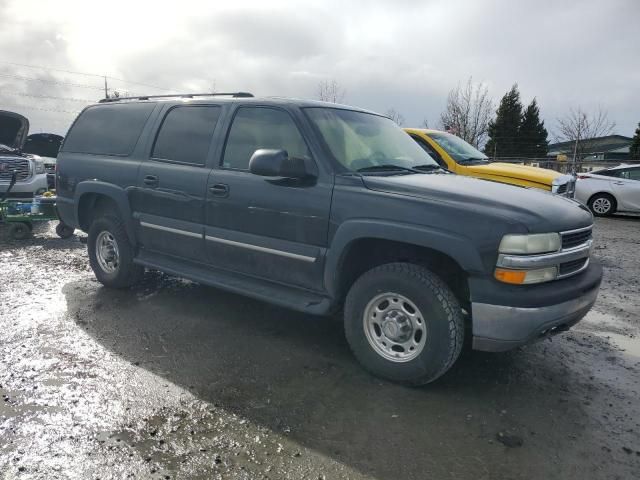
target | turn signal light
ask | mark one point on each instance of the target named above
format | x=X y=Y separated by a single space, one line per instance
x=516 y=277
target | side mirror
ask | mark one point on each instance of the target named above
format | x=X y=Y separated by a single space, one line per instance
x=276 y=163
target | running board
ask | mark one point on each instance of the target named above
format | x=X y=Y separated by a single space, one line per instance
x=282 y=295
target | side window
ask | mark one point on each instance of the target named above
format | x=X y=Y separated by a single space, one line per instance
x=258 y=127
x=108 y=129
x=430 y=150
x=634 y=174
x=185 y=134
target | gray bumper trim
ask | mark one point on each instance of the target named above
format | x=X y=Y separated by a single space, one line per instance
x=498 y=328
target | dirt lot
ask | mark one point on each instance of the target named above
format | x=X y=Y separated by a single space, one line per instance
x=176 y=380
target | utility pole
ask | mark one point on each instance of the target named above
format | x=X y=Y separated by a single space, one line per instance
x=106 y=90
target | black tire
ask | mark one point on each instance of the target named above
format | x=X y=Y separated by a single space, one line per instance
x=440 y=310
x=19 y=230
x=601 y=200
x=126 y=273
x=64 y=231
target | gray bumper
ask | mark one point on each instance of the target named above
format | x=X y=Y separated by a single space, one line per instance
x=498 y=328
x=31 y=186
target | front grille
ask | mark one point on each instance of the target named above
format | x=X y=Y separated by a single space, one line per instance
x=9 y=165
x=573 y=239
x=572 y=266
x=562 y=189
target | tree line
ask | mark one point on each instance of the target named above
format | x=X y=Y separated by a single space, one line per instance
x=512 y=130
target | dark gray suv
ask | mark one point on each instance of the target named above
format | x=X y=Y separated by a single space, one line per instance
x=320 y=207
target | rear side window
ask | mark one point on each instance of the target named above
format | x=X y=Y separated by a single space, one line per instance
x=108 y=129
x=185 y=134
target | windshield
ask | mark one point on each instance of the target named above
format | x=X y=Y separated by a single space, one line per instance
x=363 y=141
x=460 y=150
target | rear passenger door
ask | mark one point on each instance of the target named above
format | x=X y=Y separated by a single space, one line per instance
x=273 y=228
x=169 y=199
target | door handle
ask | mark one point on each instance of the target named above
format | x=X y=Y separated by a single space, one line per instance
x=151 y=180
x=219 y=190
x=618 y=183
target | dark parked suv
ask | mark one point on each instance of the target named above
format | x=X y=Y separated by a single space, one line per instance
x=319 y=207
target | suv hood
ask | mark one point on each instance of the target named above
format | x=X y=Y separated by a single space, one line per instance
x=542 y=176
x=14 y=129
x=536 y=210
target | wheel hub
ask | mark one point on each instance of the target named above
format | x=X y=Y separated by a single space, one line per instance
x=107 y=252
x=394 y=327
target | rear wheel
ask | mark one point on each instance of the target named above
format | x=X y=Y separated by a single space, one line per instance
x=64 y=231
x=111 y=253
x=19 y=230
x=602 y=204
x=403 y=323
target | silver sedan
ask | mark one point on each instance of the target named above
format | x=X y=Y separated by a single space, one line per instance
x=610 y=190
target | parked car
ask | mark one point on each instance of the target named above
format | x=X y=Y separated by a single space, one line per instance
x=318 y=208
x=45 y=146
x=458 y=156
x=610 y=190
x=30 y=169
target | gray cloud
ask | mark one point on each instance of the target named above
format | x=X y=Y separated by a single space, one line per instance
x=383 y=54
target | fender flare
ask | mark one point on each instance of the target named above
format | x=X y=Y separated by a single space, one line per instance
x=117 y=194
x=454 y=245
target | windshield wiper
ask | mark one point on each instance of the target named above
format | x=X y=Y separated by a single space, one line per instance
x=387 y=168
x=430 y=167
x=473 y=160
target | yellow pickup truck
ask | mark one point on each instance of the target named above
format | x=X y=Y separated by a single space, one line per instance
x=456 y=155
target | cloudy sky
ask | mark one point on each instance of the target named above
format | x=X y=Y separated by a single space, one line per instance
x=397 y=54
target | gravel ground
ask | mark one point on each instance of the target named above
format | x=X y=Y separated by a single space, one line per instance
x=175 y=380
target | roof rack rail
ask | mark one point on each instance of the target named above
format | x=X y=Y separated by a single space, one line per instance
x=180 y=95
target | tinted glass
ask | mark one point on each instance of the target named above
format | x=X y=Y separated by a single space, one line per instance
x=255 y=128
x=108 y=129
x=460 y=150
x=361 y=140
x=630 y=174
x=430 y=150
x=185 y=134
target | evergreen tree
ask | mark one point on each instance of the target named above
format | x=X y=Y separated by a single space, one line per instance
x=504 y=129
x=634 y=150
x=532 y=141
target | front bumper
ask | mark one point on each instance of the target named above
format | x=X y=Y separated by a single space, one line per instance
x=26 y=189
x=500 y=327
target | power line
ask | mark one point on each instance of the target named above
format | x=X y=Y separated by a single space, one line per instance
x=83 y=100
x=75 y=112
x=53 y=82
x=86 y=74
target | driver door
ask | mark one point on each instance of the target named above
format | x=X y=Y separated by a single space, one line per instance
x=273 y=228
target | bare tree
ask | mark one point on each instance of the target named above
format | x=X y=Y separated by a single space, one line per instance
x=396 y=116
x=331 y=91
x=581 y=128
x=468 y=112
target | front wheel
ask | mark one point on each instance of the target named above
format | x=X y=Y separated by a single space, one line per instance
x=403 y=323
x=111 y=253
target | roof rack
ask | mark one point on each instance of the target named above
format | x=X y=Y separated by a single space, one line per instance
x=180 y=95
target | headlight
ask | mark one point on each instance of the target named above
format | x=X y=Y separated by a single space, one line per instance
x=39 y=166
x=529 y=244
